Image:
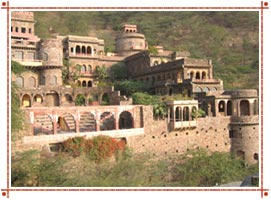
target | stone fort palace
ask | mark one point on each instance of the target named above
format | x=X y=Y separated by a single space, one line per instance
x=230 y=123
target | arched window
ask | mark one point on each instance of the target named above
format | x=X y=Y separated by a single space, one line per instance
x=198 y=75
x=77 y=49
x=89 y=51
x=206 y=89
x=83 y=69
x=89 y=68
x=89 y=84
x=186 y=113
x=107 y=121
x=20 y=81
x=38 y=98
x=83 y=50
x=32 y=82
x=203 y=76
x=191 y=75
x=221 y=107
x=244 y=107
x=229 y=107
x=84 y=83
x=79 y=83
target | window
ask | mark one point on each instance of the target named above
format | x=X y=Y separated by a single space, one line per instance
x=11 y=29
x=30 y=30
x=71 y=49
x=23 y=29
x=231 y=135
x=16 y=29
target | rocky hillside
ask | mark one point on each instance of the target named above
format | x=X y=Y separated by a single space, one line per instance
x=230 y=39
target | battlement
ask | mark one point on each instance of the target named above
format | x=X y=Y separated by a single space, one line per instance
x=22 y=16
x=197 y=62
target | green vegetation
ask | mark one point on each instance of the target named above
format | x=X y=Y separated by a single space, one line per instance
x=68 y=76
x=230 y=39
x=196 y=168
x=80 y=100
x=17 y=115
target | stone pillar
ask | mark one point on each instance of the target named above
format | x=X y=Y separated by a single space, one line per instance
x=225 y=109
x=97 y=120
x=77 y=120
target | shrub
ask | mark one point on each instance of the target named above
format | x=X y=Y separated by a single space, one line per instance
x=97 y=148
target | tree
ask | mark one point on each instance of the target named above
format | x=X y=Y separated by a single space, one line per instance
x=118 y=72
x=128 y=87
x=69 y=76
x=101 y=72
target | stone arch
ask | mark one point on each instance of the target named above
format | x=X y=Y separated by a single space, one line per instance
x=203 y=75
x=206 y=89
x=84 y=50
x=52 y=99
x=229 y=107
x=221 y=107
x=43 y=125
x=20 y=81
x=83 y=69
x=77 y=49
x=192 y=74
x=105 y=99
x=213 y=89
x=107 y=121
x=186 y=113
x=197 y=75
x=87 y=122
x=89 y=83
x=38 y=98
x=125 y=120
x=89 y=69
x=26 y=100
x=198 y=89
x=84 y=83
x=66 y=123
x=32 y=82
x=89 y=50
x=244 y=107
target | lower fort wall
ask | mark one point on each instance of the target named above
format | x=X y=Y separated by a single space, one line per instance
x=211 y=134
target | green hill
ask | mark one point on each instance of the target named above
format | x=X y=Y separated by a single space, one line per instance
x=230 y=39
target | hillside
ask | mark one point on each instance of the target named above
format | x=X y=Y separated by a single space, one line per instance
x=230 y=39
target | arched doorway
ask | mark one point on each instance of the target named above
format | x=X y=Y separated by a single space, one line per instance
x=203 y=76
x=125 y=120
x=38 y=98
x=26 y=101
x=52 y=99
x=229 y=107
x=77 y=49
x=244 y=107
x=221 y=107
x=107 y=121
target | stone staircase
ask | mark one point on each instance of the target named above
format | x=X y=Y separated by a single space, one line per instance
x=43 y=125
x=69 y=121
x=87 y=122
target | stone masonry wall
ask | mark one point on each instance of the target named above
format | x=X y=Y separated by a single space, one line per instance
x=211 y=134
